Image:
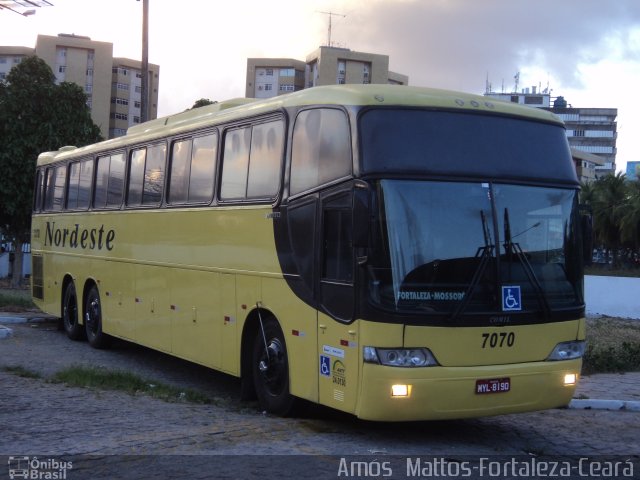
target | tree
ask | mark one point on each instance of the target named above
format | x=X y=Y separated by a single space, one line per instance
x=36 y=115
x=202 y=102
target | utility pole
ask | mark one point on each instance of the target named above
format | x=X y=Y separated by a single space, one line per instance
x=331 y=14
x=144 y=88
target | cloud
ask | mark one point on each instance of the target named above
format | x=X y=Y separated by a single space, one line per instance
x=454 y=43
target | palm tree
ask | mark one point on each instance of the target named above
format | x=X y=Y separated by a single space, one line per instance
x=609 y=205
x=630 y=215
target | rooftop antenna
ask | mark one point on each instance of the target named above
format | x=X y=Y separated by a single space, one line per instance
x=331 y=14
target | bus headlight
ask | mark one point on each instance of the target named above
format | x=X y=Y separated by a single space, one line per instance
x=400 y=357
x=568 y=351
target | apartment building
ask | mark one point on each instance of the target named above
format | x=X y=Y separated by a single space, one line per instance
x=112 y=85
x=268 y=77
x=592 y=132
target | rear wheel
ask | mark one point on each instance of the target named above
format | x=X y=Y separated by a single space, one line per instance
x=270 y=368
x=93 y=320
x=74 y=330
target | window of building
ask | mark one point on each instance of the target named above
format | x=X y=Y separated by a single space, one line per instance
x=17 y=60
x=533 y=100
x=321 y=149
x=136 y=104
x=268 y=86
x=89 y=72
x=120 y=101
x=3 y=60
x=138 y=89
x=287 y=72
x=136 y=119
x=146 y=175
x=62 y=68
x=121 y=86
x=119 y=116
x=88 y=88
x=269 y=72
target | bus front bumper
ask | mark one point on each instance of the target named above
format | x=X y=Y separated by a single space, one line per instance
x=435 y=393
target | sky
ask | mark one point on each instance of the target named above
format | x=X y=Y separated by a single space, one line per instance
x=588 y=51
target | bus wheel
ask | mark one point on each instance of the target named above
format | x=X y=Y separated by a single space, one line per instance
x=74 y=330
x=271 y=369
x=93 y=320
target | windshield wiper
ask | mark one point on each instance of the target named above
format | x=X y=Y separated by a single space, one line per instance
x=485 y=254
x=514 y=247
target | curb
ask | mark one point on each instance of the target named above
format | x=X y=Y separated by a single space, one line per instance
x=614 y=405
x=5 y=332
x=25 y=319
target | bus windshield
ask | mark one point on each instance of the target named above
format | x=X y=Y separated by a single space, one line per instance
x=452 y=248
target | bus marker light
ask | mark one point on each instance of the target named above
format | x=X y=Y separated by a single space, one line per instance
x=400 y=390
x=570 y=379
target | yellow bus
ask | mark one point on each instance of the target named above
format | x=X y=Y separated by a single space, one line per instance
x=397 y=253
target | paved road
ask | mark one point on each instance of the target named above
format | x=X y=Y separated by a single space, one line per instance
x=47 y=419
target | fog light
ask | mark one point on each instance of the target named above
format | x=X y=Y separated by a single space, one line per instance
x=570 y=379
x=400 y=390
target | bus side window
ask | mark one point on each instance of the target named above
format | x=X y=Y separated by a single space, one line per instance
x=321 y=149
x=54 y=194
x=235 y=163
x=146 y=175
x=109 y=181
x=180 y=171
x=79 y=186
x=38 y=191
x=203 y=168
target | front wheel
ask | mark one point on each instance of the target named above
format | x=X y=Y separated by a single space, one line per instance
x=74 y=330
x=270 y=368
x=93 y=320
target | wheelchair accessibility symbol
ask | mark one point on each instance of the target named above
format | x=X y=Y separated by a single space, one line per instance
x=511 y=298
x=325 y=366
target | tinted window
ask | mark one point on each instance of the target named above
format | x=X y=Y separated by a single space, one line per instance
x=203 y=166
x=450 y=143
x=321 y=149
x=235 y=163
x=109 y=181
x=79 y=189
x=55 y=188
x=180 y=170
x=39 y=190
x=192 y=170
x=146 y=175
x=264 y=166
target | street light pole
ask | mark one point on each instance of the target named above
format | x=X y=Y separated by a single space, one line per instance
x=144 y=89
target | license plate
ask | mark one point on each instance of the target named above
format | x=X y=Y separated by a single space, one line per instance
x=493 y=385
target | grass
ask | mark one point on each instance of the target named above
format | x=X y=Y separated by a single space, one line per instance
x=21 y=371
x=15 y=300
x=613 y=345
x=101 y=379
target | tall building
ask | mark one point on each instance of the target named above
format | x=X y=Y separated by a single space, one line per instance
x=592 y=131
x=268 y=77
x=112 y=85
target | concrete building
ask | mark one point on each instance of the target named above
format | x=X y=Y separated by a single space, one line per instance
x=268 y=77
x=592 y=131
x=112 y=85
x=633 y=171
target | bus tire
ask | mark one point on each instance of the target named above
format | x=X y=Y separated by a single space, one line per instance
x=70 y=323
x=93 y=320
x=270 y=367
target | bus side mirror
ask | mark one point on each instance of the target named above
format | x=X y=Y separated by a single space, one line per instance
x=361 y=214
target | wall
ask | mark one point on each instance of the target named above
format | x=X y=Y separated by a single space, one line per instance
x=613 y=296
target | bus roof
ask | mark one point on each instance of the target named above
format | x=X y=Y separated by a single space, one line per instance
x=356 y=95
